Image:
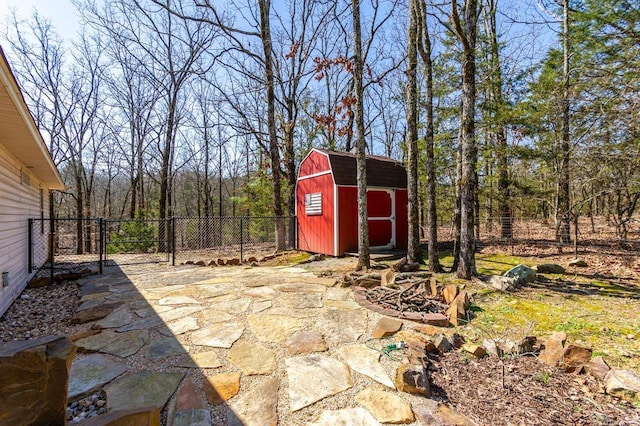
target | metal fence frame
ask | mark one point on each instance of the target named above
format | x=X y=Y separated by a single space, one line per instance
x=236 y=235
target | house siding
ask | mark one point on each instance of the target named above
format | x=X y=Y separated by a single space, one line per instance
x=18 y=203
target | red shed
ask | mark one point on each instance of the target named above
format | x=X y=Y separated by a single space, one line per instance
x=327 y=203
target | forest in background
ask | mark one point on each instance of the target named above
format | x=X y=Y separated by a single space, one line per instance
x=499 y=109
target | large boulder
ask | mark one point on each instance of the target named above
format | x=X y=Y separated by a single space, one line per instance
x=523 y=274
x=34 y=375
x=500 y=283
x=624 y=384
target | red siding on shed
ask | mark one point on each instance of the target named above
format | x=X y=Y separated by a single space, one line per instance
x=315 y=162
x=315 y=233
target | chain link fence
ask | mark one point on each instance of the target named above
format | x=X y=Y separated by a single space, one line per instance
x=587 y=231
x=63 y=243
x=242 y=237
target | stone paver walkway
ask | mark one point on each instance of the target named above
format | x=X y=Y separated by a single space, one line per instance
x=235 y=345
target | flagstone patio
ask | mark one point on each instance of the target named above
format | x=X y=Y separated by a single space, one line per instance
x=235 y=345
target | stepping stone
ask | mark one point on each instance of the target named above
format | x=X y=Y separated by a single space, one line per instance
x=118 y=318
x=142 y=389
x=343 y=325
x=315 y=377
x=274 y=328
x=365 y=361
x=261 y=305
x=125 y=297
x=257 y=407
x=252 y=358
x=93 y=288
x=212 y=316
x=221 y=387
x=94 y=296
x=233 y=306
x=178 y=313
x=128 y=344
x=227 y=296
x=386 y=327
x=97 y=341
x=193 y=418
x=145 y=312
x=300 y=288
x=346 y=416
x=262 y=292
x=91 y=373
x=208 y=359
x=94 y=311
x=188 y=406
x=146 y=323
x=218 y=335
x=208 y=292
x=184 y=291
x=386 y=407
x=178 y=300
x=180 y=326
x=304 y=342
x=300 y=300
x=164 y=348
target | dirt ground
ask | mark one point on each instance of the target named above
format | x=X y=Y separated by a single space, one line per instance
x=598 y=306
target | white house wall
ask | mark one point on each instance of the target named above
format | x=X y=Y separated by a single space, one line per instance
x=18 y=203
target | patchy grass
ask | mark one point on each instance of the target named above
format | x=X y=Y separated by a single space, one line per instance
x=596 y=311
x=601 y=314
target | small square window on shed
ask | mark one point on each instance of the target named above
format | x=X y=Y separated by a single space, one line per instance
x=313 y=204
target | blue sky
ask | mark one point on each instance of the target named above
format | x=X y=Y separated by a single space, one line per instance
x=62 y=13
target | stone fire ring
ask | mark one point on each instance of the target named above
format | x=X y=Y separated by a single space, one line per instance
x=439 y=320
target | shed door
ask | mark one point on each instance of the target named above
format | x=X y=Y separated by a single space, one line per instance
x=382 y=222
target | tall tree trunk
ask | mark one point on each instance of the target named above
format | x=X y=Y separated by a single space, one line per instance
x=79 y=210
x=364 y=261
x=274 y=153
x=499 y=131
x=424 y=47
x=466 y=31
x=413 y=244
x=290 y=166
x=564 y=202
x=165 y=175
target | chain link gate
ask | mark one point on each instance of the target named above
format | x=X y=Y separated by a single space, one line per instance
x=135 y=241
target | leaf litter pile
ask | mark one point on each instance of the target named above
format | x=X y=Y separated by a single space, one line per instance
x=522 y=391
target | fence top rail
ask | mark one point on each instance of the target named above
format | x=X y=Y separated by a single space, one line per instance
x=158 y=219
x=232 y=217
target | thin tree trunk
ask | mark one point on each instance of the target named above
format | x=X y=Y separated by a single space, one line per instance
x=274 y=153
x=413 y=244
x=364 y=261
x=564 y=202
x=424 y=47
x=466 y=32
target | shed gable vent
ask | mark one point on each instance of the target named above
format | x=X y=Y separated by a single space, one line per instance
x=313 y=204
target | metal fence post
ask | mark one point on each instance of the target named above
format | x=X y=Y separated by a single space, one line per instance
x=52 y=254
x=30 y=250
x=241 y=239
x=100 y=243
x=173 y=241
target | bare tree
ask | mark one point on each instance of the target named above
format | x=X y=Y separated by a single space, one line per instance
x=466 y=31
x=424 y=47
x=413 y=244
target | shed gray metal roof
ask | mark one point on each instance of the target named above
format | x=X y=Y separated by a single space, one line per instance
x=381 y=171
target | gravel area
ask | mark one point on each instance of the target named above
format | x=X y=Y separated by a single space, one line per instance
x=40 y=312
